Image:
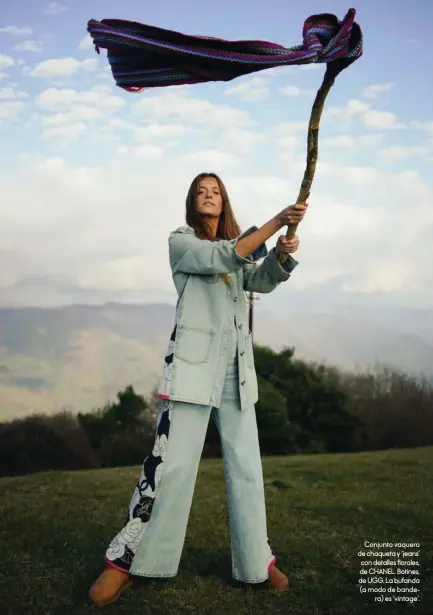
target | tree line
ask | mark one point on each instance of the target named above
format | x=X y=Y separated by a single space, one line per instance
x=303 y=408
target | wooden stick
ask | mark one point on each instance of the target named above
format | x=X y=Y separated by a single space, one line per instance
x=313 y=143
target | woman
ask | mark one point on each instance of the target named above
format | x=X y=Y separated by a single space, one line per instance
x=209 y=370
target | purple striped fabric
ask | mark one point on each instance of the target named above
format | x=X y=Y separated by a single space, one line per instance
x=144 y=56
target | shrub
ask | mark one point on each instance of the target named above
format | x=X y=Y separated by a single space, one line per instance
x=38 y=443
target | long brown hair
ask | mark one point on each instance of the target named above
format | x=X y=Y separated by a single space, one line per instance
x=228 y=228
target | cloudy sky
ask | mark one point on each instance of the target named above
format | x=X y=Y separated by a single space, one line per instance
x=93 y=179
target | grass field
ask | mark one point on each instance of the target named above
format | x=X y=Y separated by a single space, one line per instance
x=55 y=526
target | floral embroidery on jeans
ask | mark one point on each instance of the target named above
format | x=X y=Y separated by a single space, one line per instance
x=123 y=547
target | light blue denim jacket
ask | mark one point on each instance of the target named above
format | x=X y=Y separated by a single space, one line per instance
x=207 y=307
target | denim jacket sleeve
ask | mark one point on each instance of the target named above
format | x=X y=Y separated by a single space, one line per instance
x=265 y=277
x=270 y=273
x=191 y=255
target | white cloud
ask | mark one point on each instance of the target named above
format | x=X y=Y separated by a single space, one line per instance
x=73 y=110
x=371 y=118
x=178 y=106
x=143 y=151
x=293 y=90
x=10 y=109
x=288 y=142
x=239 y=141
x=288 y=134
x=290 y=90
x=284 y=129
x=3 y=75
x=32 y=46
x=168 y=130
x=62 y=67
x=144 y=133
x=344 y=141
x=89 y=65
x=77 y=113
x=384 y=120
x=86 y=42
x=55 y=8
x=143 y=201
x=360 y=223
x=339 y=141
x=54 y=99
x=254 y=89
x=388 y=276
x=375 y=90
x=49 y=166
x=6 y=61
x=352 y=108
x=337 y=218
x=354 y=174
x=353 y=210
x=211 y=159
x=118 y=124
x=16 y=30
x=370 y=140
x=61 y=99
x=427 y=126
x=11 y=94
x=69 y=113
x=396 y=152
x=66 y=133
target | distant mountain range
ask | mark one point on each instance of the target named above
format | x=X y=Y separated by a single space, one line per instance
x=78 y=357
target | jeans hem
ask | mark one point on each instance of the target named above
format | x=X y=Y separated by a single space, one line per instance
x=115 y=566
x=163 y=575
x=251 y=580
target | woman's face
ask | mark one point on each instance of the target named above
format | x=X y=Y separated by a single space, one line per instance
x=209 y=200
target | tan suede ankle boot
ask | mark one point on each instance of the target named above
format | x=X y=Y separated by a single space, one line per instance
x=108 y=586
x=277 y=580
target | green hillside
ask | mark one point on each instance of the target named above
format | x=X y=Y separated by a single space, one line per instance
x=321 y=509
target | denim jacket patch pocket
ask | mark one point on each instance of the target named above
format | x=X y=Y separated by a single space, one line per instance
x=193 y=345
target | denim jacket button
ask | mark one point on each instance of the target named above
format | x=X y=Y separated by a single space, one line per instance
x=243 y=382
x=235 y=299
x=240 y=326
x=242 y=353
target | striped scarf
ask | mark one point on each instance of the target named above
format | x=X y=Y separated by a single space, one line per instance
x=144 y=56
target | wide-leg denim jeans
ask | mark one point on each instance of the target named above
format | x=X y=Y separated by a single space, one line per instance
x=152 y=540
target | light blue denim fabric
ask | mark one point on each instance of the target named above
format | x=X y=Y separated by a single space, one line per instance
x=208 y=371
x=196 y=356
x=159 y=550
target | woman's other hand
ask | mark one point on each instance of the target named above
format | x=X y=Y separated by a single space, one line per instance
x=294 y=214
x=286 y=246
